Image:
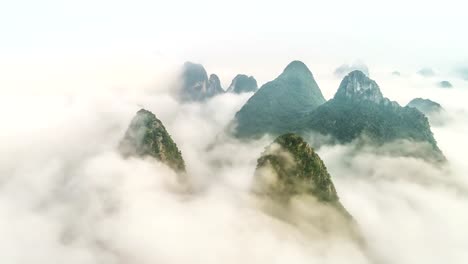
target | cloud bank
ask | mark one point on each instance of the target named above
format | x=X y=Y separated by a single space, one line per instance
x=67 y=196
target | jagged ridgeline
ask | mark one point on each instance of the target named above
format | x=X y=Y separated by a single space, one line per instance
x=147 y=136
x=274 y=108
x=289 y=167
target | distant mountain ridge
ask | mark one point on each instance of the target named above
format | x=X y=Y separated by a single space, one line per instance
x=293 y=103
x=195 y=86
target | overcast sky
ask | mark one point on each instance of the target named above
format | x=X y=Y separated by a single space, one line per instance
x=51 y=42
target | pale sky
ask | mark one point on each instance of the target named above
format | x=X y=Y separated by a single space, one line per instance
x=52 y=42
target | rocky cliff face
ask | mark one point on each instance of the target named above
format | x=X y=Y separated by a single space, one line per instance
x=147 y=136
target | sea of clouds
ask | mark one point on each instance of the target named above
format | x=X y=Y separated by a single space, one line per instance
x=67 y=196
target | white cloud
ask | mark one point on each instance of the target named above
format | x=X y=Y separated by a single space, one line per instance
x=66 y=196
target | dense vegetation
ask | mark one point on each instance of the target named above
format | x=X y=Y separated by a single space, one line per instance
x=147 y=136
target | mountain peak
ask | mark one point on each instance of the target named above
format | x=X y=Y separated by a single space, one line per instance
x=291 y=177
x=278 y=103
x=445 y=84
x=191 y=67
x=195 y=85
x=289 y=167
x=214 y=86
x=345 y=69
x=214 y=78
x=357 y=86
x=357 y=74
x=296 y=67
x=194 y=82
x=144 y=112
x=147 y=136
x=242 y=84
x=426 y=106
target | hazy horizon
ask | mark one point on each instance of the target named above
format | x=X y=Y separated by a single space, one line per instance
x=106 y=43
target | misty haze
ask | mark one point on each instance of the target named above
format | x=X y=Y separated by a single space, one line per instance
x=233 y=132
